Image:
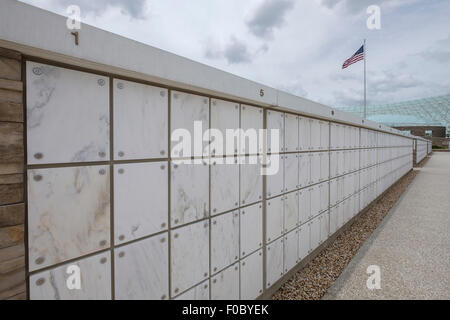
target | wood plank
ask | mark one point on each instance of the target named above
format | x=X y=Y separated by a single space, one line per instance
x=11 y=193
x=12 y=215
x=10 y=96
x=11 y=54
x=12 y=252
x=11 y=142
x=20 y=296
x=11 y=265
x=11 y=236
x=11 y=85
x=10 y=69
x=12 y=167
x=11 y=111
x=12 y=284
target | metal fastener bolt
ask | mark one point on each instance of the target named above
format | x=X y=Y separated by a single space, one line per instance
x=40 y=281
x=102 y=154
x=121 y=237
x=38 y=155
x=102 y=172
x=163 y=167
x=37 y=71
x=162 y=240
x=121 y=153
x=121 y=171
x=40 y=260
x=175 y=235
x=176 y=290
x=176 y=221
x=103 y=260
x=163 y=225
x=214 y=281
x=163 y=297
x=103 y=243
x=162 y=93
x=215 y=269
x=205 y=274
x=37 y=177
x=101 y=82
x=162 y=152
x=121 y=254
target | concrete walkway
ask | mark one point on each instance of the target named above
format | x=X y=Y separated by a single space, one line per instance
x=411 y=246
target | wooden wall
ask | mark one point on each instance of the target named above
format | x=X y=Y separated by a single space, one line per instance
x=12 y=207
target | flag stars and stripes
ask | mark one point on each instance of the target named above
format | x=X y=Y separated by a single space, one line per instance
x=358 y=56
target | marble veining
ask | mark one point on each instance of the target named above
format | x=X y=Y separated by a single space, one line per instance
x=67 y=115
x=142 y=269
x=189 y=256
x=250 y=180
x=274 y=218
x=291 y=172
x=186 y=108
x=291 y=211
x=225 y=116
x=252 y=276
x=140 y=200
x=275 y=121
x=140 y=121
x=95 y=280
x=274 y=261
x=225 y=285
x=251 y=118
x=275 y=182
x=68 y=213
x=199 y=292
x=224 y=240
x=189 y=193
x=251 y=229
x=290 y=250
x=224 y=187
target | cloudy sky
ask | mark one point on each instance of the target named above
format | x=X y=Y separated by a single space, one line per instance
x=296 y=46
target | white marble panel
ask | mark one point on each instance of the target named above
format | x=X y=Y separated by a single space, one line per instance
x=189 y=193
x=341 y=136
x=60 y=102
x=275 y=182
x=334 y=164
x=141 y=269
x=185 y=110
x=324 y=166
x=250 y=180
x=314 y=227
x=324 y=196
x=225 y=285
x=340 y=215
x=315 y=200
x=68 y=213
x=341 y=164
x=315 y=134
x=189 y=256
x=315 y=167
x=291 y=133
x=141 y=121
x=324 y=135
x=291 y=211
x=304 y=161
x=251 y=227
x=290 y=250
x=333 y=136
x=303 y=241
x=304 y=205
x=251 y=118
x=274 y=261
x=291 y=172
x=224 y=185
x=140 y=200
x=324 y=226
x=274 y=218
x=333 y=192
x=199 y=292
x=224 y=116
x=224 y=240
x=95 y=280
x=252 y=276
x=334 y=212
x=275 y=121
x=304 y=136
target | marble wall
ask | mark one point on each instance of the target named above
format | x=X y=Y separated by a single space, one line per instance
x=107 y=195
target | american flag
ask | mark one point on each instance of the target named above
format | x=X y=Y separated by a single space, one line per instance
x=359 y=55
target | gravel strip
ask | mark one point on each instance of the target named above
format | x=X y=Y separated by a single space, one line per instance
x=313 y=281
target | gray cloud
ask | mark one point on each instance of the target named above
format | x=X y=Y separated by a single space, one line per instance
x=268 y=16
x=439 y=53
x=234 y=52
x=358 y=6
x=133 y=8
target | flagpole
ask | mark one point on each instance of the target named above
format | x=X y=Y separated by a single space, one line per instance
x=365 y=55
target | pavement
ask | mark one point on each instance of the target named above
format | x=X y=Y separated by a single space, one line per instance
x=411 y=246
